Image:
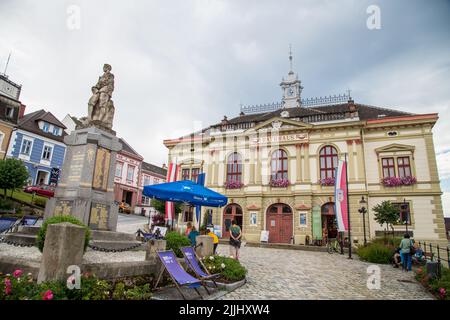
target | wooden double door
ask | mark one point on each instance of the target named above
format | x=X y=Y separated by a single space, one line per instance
x=279 y=223
x=230 y=213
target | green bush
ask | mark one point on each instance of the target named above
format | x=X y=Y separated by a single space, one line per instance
x=58 y=219
x=230 y=269
x=388 y=241
x=439 y=287
x=6 y=204
x=376 y=253
x=174 y=241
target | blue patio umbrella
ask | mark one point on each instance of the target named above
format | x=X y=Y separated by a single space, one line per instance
x=186 y=191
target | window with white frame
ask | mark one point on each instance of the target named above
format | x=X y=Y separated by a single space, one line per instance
x=26 y=147
x=56 y=131
x=47 y=153
x=130 y=173
x=147 y=180
x=45 y=127
x=119 y=166
x=302 y=219
x=145 y=200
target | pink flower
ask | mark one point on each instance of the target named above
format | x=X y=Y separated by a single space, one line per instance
x=7 y=282
x=442 y=292
x=17 y=273
x=47 y=295
x=8 y=290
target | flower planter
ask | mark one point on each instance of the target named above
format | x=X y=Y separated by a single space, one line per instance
x=227 y=286
x=279 y=183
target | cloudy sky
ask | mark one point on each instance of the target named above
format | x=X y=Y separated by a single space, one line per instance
x=180 y=62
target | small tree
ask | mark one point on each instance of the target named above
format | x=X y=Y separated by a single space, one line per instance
x=160 y=206
x=386 y=213
x=13 y=175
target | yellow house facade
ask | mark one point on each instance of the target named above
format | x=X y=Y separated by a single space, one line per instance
x=276 y=164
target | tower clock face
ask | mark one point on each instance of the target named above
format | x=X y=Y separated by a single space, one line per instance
x=290 y=92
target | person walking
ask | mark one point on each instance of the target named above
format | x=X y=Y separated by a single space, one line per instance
x=188 y=229
x=235 y=239
x=405 y=248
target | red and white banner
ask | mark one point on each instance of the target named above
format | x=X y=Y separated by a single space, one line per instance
x=172 y=173
x=340 y=195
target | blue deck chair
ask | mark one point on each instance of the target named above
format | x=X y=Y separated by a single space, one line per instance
x=30 y=220
x=6 y=223
x=193 y=260
x=179 y=276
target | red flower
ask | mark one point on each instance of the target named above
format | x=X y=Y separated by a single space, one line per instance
x=7 y=290
x=47 y=295
x=17 y=273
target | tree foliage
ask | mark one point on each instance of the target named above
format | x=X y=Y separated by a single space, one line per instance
x=13 y=174
x=386 y=213
x=160 y=206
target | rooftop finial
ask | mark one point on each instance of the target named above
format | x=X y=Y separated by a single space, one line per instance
x=290 y=58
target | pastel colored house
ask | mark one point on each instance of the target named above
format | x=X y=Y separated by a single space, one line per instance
x=39 y=142
x=150 y=174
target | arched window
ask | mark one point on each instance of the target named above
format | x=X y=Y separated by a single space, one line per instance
x=279 y=165
x=328 y=161
x=234 y=167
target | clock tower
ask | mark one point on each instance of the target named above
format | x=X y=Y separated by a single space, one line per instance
x=291 y=88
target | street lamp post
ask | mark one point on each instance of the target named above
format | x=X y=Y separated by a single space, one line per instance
x=362 y=209
x=406 y=211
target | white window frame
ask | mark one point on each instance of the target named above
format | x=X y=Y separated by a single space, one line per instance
x=55 y=131
x=24 y=138
x=43 y=152
x=300 y=213
x=121 y=169
x=253 y=213
x=45 y=124
x=128 y=173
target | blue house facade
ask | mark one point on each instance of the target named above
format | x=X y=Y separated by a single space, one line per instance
x=39 y=142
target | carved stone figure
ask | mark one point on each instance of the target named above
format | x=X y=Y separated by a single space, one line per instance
x=100 y=106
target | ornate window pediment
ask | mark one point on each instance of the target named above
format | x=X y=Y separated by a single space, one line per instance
x=395 y=147
x=279 y=123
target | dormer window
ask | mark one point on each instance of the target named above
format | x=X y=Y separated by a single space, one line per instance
x=9 y=112
x=45 y=127
x=56 y=131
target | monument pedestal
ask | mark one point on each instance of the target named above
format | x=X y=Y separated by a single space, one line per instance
x=86 y=187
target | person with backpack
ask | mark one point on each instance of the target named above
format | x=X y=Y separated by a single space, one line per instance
x=406 y=249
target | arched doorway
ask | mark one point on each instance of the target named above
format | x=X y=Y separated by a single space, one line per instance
x=231 y=212
x=279 y=223
x=329 y=223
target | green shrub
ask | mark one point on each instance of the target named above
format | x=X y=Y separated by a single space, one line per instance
x=439 y=287
x=174 y=241
x=40 y=202
x=6 y=204
x=388 y=241
x=376 y=253
x=230 y=269
x=58 y=219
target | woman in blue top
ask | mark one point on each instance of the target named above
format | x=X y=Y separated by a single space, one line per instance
x=405 y=248
x=193 y=235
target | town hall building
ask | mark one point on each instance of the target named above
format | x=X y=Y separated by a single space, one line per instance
x=276 y=164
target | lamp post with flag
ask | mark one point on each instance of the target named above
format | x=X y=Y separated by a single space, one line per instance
x=342 y=206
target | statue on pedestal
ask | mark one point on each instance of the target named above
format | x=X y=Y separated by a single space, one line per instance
x=100 y=106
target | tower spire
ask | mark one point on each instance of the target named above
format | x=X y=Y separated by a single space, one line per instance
x=290 y=59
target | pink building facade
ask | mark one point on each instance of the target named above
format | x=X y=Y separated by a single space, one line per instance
x=150 y=174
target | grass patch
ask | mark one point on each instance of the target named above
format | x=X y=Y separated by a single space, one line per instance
x=20 y=195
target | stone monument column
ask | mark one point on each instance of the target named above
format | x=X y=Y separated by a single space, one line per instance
x=86 y=187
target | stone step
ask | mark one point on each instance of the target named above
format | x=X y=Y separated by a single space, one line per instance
x=117 y=244
x=33 y=230
x=20 y=238
x=112 y=236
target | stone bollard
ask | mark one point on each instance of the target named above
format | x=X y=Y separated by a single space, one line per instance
x=153 y=246
x=63 y=247
x=205 y=246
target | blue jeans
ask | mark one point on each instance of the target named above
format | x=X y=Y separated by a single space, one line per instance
x=406 y=261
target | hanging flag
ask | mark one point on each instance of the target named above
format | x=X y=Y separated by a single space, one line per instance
x=340 y=196
x=198 y=209
x=172 y=173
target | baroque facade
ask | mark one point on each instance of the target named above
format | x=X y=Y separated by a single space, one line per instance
x=276 y=163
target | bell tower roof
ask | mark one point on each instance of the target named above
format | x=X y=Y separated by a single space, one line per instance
x=291 y=87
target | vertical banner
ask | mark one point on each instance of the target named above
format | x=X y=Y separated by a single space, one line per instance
x=198 y=209
x=170 y=206
x=316 y=223
x=340 y=196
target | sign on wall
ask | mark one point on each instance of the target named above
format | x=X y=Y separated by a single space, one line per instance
x=302 y=219
x=275 y=138
x=54 y=176
x=253 y=218
x=101 y=169
x=264 y=236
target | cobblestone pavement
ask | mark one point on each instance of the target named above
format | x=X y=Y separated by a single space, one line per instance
x=296 y=274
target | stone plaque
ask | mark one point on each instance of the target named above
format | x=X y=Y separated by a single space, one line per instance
x=76 y=166
x=63 y=208
x=101 y=169
x=98 y=218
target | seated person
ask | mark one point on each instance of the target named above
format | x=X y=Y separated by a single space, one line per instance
x=418 y=257
x=396 y=259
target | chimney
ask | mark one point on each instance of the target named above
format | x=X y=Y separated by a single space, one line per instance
x=21 y=111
